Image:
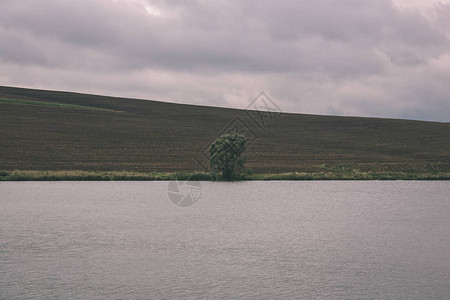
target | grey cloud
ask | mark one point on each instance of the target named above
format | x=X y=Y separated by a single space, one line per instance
x=321 y=56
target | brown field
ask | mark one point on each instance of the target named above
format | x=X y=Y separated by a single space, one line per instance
x=47 y=130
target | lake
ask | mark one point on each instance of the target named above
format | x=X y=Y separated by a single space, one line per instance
x=246 y=240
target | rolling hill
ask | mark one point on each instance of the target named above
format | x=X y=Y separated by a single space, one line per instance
x=52 y=130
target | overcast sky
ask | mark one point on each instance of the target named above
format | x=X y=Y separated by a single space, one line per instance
x=378 y=58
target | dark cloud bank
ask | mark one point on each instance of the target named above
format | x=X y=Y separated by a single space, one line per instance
x=349 y=57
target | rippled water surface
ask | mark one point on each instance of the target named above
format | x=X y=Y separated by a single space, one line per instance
x=316 y=240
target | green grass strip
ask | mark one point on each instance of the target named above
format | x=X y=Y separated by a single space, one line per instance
x=64 y=105
x=76 y=175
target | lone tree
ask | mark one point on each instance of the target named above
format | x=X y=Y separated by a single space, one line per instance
x=225 y=154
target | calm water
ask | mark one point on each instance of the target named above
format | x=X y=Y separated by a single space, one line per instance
x=316 y=240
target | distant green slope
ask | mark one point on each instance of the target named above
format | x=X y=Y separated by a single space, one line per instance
x=48 y=130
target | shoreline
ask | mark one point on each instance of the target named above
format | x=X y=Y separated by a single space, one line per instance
x=77 y=175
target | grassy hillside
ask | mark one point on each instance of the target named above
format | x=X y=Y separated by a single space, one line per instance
x=48 y=130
